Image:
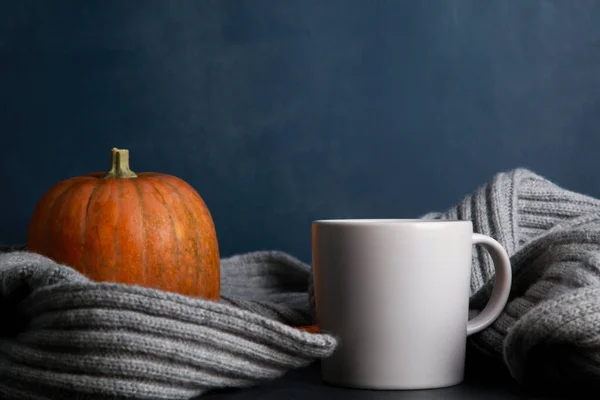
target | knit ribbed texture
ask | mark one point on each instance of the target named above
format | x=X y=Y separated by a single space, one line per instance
x=549 y=331
x=68 y=335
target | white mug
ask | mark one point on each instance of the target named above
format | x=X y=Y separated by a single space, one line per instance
x=396 y=295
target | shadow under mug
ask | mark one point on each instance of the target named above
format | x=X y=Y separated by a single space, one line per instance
x=395 y=293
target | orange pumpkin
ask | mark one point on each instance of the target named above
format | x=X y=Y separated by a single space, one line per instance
x=148 y=229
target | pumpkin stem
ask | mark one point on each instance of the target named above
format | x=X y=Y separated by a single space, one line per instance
x=120 y=165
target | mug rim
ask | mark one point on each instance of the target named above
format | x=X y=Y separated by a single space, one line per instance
x=387 y=221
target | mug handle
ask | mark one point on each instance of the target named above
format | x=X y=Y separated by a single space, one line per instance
x=502 y=284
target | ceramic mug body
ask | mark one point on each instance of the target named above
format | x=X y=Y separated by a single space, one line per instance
x=396 y=294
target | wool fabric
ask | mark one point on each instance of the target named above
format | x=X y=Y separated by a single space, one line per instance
x=62 y=335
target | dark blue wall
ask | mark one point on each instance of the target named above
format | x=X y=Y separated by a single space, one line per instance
x=280 y=112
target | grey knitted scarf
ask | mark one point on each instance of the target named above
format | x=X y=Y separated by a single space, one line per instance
x=62 y=335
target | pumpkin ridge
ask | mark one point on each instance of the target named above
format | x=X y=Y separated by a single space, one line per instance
x=101 y=218
x=177 y=240
x=97 y=185
x=69 y=217
x=145 y=246
x=129 y=231
x=61 y=201
x=190 y=215
x=116 y=232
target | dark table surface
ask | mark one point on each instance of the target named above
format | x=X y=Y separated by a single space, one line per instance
x=306 y=383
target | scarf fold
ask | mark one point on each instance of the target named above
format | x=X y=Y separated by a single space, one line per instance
x=549 y=331
x=63 y=335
